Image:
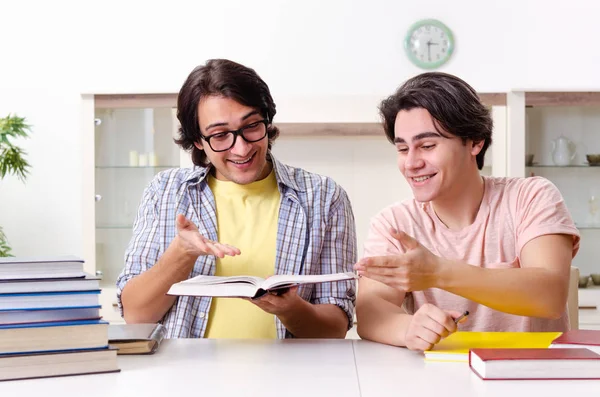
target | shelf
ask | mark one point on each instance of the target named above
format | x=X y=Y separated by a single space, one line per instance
x=562 y=98
x=562 y=166
x=106 y=167
x=130 y=227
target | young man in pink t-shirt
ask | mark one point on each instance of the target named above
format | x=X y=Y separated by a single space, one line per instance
x=499 y=248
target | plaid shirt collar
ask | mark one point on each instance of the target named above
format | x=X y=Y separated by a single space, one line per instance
x=283 y=175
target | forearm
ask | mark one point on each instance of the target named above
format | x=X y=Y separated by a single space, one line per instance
x=534 y=292
x=382 y=321
x=315 y=321
x=144 y=297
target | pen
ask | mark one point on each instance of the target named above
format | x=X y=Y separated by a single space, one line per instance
x=465 y=314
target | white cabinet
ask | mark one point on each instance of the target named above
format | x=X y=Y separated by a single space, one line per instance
x=535 y=120
x=589 y=308
x=128 y=140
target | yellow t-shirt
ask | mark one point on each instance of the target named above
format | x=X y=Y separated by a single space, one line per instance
x=247 y=219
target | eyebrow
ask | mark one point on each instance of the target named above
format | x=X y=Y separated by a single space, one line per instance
x=221 y=123
x=418 y=137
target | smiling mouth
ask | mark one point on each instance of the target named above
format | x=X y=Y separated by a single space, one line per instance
x=243 y=161
x=422 y=178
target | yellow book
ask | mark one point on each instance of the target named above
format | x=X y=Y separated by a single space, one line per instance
x=456 y=346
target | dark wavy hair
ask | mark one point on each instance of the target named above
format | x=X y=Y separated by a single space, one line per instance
x=453 y=104
x=220 y=77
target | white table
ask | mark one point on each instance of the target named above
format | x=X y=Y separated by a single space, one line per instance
x=303 y=368
x=390 y=371
x=204 y=367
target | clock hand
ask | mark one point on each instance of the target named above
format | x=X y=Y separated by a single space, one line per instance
x=429 y=50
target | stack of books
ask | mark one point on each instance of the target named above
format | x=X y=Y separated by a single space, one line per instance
x=50 y=321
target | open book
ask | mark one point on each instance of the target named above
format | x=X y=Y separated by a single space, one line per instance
x=248 y=286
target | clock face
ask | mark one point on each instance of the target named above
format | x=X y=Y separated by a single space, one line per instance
x=429 y=44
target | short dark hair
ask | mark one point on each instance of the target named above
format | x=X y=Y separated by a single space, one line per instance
x=453 y=104
x=225 y=78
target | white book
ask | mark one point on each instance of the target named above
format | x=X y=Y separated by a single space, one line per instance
x=87 y=283
x=19 y=268
x=249 y=286
x=49 y=300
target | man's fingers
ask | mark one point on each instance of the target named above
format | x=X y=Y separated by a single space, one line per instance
x=182 y=222
x=454 y=314
x=420 y=345
x=377 y=262
x=227 y=249
x=444 y=319
x=379 y=271
x=215 y=249
x=436 y=327
x=407 y=241
x=233 y=249
x=429 y=336
x=199 y=243
x=377 y=277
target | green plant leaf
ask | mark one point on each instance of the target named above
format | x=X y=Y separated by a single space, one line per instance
x=12 y=157
x=4 y=247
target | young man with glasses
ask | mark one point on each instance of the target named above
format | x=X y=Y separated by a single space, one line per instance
x=239 y=211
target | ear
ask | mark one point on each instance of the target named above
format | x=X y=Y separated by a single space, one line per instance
x=476 y=148
x=198 y=145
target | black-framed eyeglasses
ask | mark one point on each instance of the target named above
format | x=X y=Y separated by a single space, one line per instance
x=223 y=141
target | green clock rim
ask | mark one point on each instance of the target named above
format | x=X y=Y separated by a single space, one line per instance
x=418 y=62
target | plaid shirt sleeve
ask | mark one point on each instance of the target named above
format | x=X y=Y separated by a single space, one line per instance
x=338 y=255
x=143 y=250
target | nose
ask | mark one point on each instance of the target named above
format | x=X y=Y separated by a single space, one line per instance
x=241 y=147
x=413 y=161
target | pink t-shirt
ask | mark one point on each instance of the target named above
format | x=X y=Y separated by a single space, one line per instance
x=513 y=211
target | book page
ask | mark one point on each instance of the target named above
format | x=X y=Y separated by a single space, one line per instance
x=130 y=332
x=287 y=280
x=230 y=290
x=209 y=280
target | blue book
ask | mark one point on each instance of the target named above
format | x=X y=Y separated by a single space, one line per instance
x=87 y=283
x=49 y=300
x=22 y=316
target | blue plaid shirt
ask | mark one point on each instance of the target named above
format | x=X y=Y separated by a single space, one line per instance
x=315 y=235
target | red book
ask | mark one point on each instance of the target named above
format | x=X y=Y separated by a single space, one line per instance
x=582 y=338
x=516 y=364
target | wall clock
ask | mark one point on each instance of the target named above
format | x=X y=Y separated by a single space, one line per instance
x=429 y=43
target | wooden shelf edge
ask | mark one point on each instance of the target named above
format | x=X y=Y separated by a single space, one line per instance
x=316 y=129
x=493 y=98
x=562 y=99
x=123 y=101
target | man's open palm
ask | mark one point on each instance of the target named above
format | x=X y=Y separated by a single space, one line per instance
x=195 y=243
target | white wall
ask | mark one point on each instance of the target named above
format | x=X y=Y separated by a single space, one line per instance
x=53 y=51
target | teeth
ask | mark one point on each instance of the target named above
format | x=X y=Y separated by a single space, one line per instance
x=243 y=161
x=421 y=178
